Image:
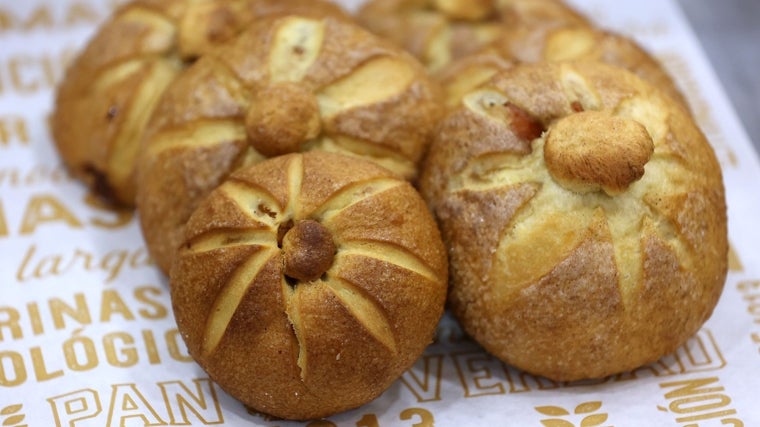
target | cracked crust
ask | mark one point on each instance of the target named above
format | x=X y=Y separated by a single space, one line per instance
x=288 y=84
x=339 y=335
x=104 y=101
x=594 y=248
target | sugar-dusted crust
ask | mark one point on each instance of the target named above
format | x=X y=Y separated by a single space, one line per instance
x=105 y=99
x=363 y=309
x=585 y=217
x=287 y=84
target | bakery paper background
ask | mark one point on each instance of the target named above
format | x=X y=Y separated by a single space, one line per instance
x=87 y=336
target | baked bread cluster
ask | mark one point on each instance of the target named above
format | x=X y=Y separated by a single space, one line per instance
x=306 y=285
x=288 y=83
x=463 y=43
x=317 y=191
x=107 y=96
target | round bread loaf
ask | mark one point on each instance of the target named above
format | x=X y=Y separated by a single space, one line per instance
x=309 y=282
x=555 y=44
x=287 y=84
x=105 y=99
x=585 y=217
x=584 y=43
x=439 y=31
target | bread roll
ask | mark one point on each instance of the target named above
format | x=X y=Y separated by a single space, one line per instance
x=585 y=43
x=105 y=99
x=440 y=31
x=556 y=44
x=306 y=284
x=287 y=84
x=585 y=217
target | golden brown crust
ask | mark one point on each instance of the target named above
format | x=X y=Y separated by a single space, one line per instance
x=557 y=43
x=440 y=31
x=464 y=74
x=308 y=251
x=281 y=118
x=553 y=44
x=310 y=347
x=538 y=12
x=470 y=10
x=289 y=83
x=592 y=150
x=534 y=31
x=104 y=101
x=571 y=282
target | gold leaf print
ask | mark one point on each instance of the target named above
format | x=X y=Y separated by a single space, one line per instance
x=734 y=262
x=588 y=407
x=10 y=409
x=594 y=420
x=14 y=420
x=554 y=411
x=556 y=422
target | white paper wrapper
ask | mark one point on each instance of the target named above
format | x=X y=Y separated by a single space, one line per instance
x=87 y=336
